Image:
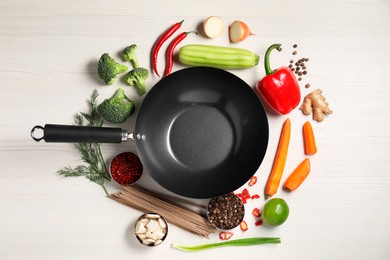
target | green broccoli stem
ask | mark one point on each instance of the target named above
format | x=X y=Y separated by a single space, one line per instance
x=135 y=62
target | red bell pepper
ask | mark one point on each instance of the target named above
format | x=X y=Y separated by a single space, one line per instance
x=279 y=88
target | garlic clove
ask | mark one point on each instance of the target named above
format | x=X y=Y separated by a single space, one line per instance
x=162 y=223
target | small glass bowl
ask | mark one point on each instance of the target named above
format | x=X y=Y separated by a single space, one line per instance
x=126 y=168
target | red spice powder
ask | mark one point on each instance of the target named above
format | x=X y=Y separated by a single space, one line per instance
x=126 y=168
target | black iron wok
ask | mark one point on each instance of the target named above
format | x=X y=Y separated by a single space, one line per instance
x=200 y=132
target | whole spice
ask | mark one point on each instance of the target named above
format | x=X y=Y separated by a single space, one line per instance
x=299 y=67
x=126 y=168
x=279 y=88
x=235 y=242
x=171 y=49
x=226 y=211
x=168 y=33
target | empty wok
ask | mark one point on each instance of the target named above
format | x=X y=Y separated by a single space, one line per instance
x=200 y=132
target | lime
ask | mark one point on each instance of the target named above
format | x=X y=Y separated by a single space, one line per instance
x=275 y=212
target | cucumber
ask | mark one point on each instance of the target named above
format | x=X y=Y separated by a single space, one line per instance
x=217 y=57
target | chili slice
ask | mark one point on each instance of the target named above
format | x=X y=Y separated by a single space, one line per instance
x=252 y=181
x=171 y=49
x=244 y=225
x=168 y=33
x=255 y=196
x=256 y=212
x=225 y=235
x=259 y=223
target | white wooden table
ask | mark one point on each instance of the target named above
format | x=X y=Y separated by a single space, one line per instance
x=48 y=56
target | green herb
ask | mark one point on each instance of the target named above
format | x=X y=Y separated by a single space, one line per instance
x=95 y=169
x=236 y=242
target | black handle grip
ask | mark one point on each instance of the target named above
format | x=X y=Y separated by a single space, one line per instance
x=78 y=134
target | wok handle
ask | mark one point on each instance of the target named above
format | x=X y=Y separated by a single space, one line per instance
x=78 y=134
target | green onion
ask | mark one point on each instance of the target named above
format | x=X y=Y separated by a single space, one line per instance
x=235 y=242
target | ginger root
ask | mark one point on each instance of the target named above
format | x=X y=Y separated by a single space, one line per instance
x=314 y=103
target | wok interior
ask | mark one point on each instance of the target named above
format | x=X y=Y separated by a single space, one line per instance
x=206 y=132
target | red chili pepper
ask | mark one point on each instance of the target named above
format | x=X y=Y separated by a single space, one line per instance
x=255 y=196
x=170 y=50
x=246 y=194
x=252 y=181
x=168 y=33
x=279 y=87
x=256 y=213
x=259 y=223
x=225 y=235
x=244 y=225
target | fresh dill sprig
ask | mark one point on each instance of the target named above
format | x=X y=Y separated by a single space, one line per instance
x=95 y=169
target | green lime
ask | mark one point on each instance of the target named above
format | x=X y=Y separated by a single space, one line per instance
x=275 y=212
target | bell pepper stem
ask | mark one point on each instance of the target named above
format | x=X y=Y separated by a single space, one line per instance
x=267 y=66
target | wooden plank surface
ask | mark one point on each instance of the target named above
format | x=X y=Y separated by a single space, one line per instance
x=48 y=58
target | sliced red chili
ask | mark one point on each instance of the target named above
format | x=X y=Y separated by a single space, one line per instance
x=256 y=212
x=255 y=196
x=259 y=223
x=171 y=49
x=225 y=235
x=252 y=181
x=244 y=225
x=168 y=33
x=246 y=194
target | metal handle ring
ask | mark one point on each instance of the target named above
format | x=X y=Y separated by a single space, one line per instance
x=37 y=139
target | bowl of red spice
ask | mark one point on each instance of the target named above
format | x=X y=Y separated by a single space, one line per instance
x=126 y=168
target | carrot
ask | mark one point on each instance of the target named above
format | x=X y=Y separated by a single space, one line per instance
x=309 y=140
x=279 y=161
x=297 y=176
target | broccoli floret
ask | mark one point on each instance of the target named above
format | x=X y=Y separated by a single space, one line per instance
x=137 y=78
x=129 y=54
x=116 y=109
x=108 y=69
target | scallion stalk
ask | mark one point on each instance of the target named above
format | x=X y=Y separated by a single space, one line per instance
x=235 y=242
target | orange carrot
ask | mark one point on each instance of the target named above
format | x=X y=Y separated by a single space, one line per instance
x=309 y=140
x=297 y=176
x=279 y=161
